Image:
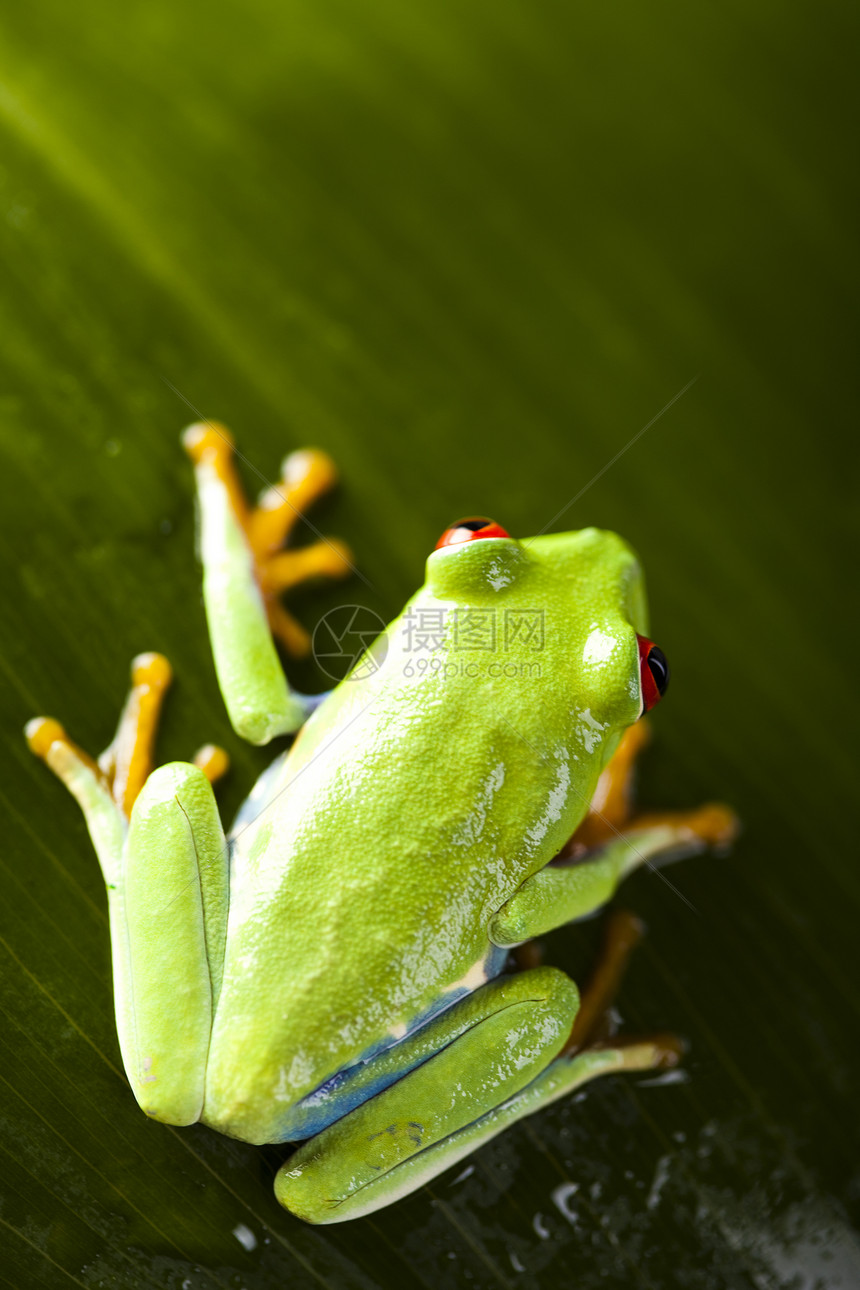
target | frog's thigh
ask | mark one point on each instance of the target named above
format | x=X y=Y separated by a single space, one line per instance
x=365 y=1160
x=168 y=923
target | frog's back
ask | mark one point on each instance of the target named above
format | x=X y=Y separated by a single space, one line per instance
x=360 y=898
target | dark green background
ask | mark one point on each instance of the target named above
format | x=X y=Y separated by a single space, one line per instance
x=470 y=248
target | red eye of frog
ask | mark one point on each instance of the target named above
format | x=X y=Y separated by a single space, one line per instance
x=476 y=526
x=653 y=672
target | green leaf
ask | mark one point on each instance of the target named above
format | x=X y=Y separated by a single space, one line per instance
x=471 y=249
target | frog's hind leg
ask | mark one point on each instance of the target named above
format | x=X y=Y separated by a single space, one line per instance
x=592 y=1049
x=595 y=1025
x=162 y=851
x=502 y=1053
x=475 y=1055
x=245 y=572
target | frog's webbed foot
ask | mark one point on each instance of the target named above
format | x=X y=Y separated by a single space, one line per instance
x=119 y=773
x=213 y=760
x=107 y=786
x=305 y=475
x=129 y=758
x=127 y=762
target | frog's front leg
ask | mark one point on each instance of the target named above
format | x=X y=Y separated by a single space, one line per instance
x=610 y=843
x=244 y=573
x=159 y=841
x=516 y=1044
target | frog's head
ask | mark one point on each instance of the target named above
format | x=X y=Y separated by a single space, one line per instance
x=574 y=615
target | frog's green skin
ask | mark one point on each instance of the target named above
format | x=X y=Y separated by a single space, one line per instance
x=377 y=874
x=416 y=807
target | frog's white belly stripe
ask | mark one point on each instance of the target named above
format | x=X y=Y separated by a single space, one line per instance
x=476 y=976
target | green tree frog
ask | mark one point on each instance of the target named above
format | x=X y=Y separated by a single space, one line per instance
x=336 y=969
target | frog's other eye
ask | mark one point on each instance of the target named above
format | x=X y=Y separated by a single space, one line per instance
x=476 y=526
x=653 y=672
